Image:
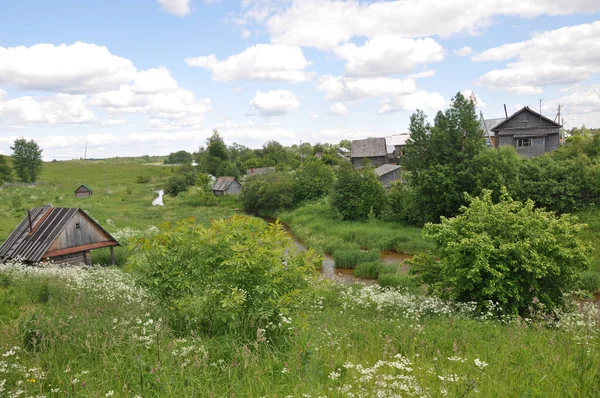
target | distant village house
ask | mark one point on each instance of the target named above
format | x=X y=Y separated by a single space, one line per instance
x=257 y=171
x=373 y=149
x=60 y=235
x=387 y=174
x=83 y=192
x=226 y=186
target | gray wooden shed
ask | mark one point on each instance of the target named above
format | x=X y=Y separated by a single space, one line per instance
x=83 y=191
x=373 y=149
x=529 y=132
x=226 y=186
x=61 y=235
x=387 y=174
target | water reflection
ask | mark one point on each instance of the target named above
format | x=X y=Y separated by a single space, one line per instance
x=159 y=200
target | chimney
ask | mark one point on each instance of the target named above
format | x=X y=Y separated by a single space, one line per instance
x=505 y=113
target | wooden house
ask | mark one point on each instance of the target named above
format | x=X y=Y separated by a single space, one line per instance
x=486 y=126
x=387 y=174
x=60 y=235
x=83 y=192
x=226 y=186
x=373 y=149
x=529 y=132
x=257 y=171
x=396 y=144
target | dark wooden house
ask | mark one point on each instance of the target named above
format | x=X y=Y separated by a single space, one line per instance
x=387 y=174
x=529 y=132
x=226 y=186
x=83 y=192
x=373 y=149
x=60 y=235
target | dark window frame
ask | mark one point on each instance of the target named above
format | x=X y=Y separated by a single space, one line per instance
x=523 y=142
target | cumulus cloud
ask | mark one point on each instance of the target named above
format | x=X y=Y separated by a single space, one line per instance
x=562 y=56
x=74 y=69
x=274 y=103
x=154 y=81
x=463 y=51
x=260 y=62
x=325 y=24
x=468 y=93
x=580 y=105
x=420 y=100
x=113 y=122
x=48 y=110
x=387 y=55
x=180 y=8
x=421 y=75
x=338 y=109
x=347 y=89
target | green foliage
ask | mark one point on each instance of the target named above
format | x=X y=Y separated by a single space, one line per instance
x=6 y=174
x=401 y=204
x=349 y=258
x=237 y=273
x=268 y=192
x=357 y=193
x=312 y=180
x=590 y=281
x=27 y=159
x=399 y=281
x=494 y=168
x=509 y=253
x=142 y=179
x=179 y=157
x=197 y=196
x=368 y=270
x=176 y=184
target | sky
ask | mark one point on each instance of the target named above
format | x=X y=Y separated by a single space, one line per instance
x=136 y=77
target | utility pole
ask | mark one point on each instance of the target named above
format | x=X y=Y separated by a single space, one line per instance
x=85 y=153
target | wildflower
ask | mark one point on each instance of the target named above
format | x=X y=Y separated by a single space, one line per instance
x=285 y=370
x=480 y=364
x=110 y=393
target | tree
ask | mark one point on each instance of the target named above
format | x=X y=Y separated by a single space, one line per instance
x=179 y=157
x=509 y=253
x=6 y=174
x=313 y=180
x=27 y=159
x=268 y=192
x=357 y=193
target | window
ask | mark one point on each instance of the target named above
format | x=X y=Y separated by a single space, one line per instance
x=77 y=225
x=523 y=142
x=538 y=141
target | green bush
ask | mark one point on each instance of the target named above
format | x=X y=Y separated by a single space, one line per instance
x=349 y=258
x=367 y=270
x=142 y=179
x=269 y=192
x=509 y=253
x=399 y=281
x=357 y=194
x=197 y=196
x=312 y=180
x=590 y=281
x=237 y=275
x=176 y=184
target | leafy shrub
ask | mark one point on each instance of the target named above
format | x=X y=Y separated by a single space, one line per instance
x=590 y=281
x=509 y=253
x=238 y=273
x=312 y=180
x=269 y=192
x=399 y=281
x=175 y=184
x=367 y=270
x=357 y=193
x=197 y=196
x=349 y=258
x=142 y=179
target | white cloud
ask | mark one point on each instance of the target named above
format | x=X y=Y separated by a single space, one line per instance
x=113 y=122
x=421 y=75
x=563 y=56
x=74 y=69
x=338 y=109
x=463 y=51
x=314 y=115
x=468 y=93
x=246 y=34
x=325 y=24
x=580 y=106
x=3 y=94
x=387 y=55
x=411 y=102
x=153 y=81
x=260 y=62
x=180 y=8
x=274 y=103
x=347 y=89
x=50 y=110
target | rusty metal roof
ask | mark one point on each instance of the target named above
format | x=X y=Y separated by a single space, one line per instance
x=47 y=223
x=370 y=147
x=223 y=183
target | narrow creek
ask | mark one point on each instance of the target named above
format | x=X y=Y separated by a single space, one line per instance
x=328 y=269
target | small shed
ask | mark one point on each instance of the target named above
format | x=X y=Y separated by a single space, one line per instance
x=226 y=186
x=61 y=235
x=387 y=174
x=83 y=191
x=257 y=171
x=373 y=149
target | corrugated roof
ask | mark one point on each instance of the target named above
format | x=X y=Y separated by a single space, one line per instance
x=47 y=223
x=489 y=124
x=386 y=168
x=370 y=147
x=223 y=183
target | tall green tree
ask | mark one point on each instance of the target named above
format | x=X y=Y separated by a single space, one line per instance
x=312 y=180
x=6 y=174
x=27 y=159
x=438 y=158
x=179 y=157
x=357 y=193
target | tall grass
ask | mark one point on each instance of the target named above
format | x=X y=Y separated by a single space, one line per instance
x=350 y=258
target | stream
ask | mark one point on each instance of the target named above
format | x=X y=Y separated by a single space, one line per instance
x=158 y=201
x=328 y=269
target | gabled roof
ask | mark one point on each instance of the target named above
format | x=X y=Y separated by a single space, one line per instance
x=47 y=223
x=531 y=111
x=85 y=186
x=385 y=169
x=370 y=147
x=488 y=124
x=397 y=139
x=223 y=183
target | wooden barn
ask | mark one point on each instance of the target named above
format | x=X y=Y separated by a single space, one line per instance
x=226 y=186
x=387 y=174
x=60 y=235
x=83 y=192
x=373 y=149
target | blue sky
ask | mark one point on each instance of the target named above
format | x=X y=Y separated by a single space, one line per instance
x=150 y=77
